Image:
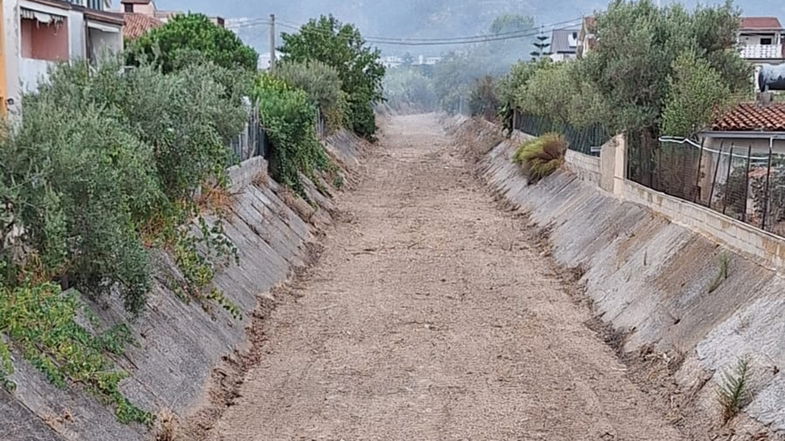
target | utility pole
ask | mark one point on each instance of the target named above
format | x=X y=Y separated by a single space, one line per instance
x=272 y=43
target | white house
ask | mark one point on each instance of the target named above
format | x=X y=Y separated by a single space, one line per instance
x=564 y=44
x=761 y=40
x=41 y=33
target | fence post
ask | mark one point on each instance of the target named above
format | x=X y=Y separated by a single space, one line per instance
x=727 y=180
x=716 y=170
x=696 y=192
x=766 y=191
x=747 y=184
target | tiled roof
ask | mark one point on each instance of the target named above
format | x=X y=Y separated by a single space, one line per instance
x=752 y=117
x=562 y=41
x=760 y=23
x=137 y=25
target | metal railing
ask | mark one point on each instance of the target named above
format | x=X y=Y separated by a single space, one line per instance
x=586 y=140
x=741 y=180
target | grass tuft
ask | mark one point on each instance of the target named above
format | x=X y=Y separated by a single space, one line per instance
x=733 y=393
x=542 y=156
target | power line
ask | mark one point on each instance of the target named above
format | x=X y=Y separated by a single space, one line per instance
x=423 y=41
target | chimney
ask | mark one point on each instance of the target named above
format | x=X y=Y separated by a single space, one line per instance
x=765 y=99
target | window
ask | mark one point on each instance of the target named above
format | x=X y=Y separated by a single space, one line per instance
x=765 y=41
x=129 y=7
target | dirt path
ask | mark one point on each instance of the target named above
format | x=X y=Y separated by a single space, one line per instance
x=432 y=317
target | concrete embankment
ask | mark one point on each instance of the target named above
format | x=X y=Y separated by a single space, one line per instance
x=654 y=279
x=178 y=344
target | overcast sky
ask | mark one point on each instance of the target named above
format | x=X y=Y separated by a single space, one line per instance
x=417 y=18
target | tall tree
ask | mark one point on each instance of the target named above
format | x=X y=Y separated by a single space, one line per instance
x=634 y=63
x=189 y=35
x=342 y=46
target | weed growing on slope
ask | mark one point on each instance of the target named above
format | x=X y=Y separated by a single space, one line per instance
x=542 y=156
x=723 y=273
x=41 y=321
x=733 y=392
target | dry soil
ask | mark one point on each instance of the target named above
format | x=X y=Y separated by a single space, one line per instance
x=432 y=315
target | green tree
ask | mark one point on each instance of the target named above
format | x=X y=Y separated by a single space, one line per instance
x=288 y=114
x=633 y=66
x=697 y=93
x=409 y=89
x=188 y=33
x=322 y=84
x=342 y=46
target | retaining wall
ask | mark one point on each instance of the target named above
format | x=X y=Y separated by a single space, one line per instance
x=649 y=264
x=177 y=344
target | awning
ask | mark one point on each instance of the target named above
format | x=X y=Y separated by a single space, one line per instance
x=41 y=17
x=103 y=27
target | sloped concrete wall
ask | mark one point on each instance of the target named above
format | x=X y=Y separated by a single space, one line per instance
x=177 y=344
x=650 y=277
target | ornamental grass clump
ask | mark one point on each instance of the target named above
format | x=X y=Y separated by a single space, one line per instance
x=542 y=156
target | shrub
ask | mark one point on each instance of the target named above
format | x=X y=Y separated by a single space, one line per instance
x=288 y=116
x=43 y=323
x=188 y=33
x=697 y=95
x=542 y=156
x=342 y=46
x=103 y=165
x=323 y=86
x=483 y=100
x=407 y=88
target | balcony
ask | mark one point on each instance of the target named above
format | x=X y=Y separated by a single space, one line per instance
x=91 y=4
x=762 y=52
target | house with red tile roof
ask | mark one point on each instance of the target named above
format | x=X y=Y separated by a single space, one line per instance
x=761 y=40
x=761 y=126
x=137 y=25
x=143 y=15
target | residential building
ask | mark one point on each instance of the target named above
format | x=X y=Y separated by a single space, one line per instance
x=761 y=126
x=392 y=61
x=41 y=33
x=137 y=24
x=587 y=40
x=148 y=8
x=761 y=40
x=564 y=44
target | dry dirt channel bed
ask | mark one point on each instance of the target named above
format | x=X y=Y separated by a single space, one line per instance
x=431 y=315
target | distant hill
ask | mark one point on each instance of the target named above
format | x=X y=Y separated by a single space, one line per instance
x=417 y=18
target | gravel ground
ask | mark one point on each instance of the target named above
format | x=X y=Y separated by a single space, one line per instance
x=433 y=315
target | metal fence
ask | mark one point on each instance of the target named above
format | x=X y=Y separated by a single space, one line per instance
x=253 y=140
x=745 y=182
x=585 y=140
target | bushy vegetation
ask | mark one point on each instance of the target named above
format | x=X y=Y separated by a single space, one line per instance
x=674 y=84
x=322 y=84
x=410 y=88
x=342 y=46
x=186 y=34
x=697 y=95
x=41 y=320
x=635 y=72
x=289 y=120
x=542 y=156
x=100 y=170
x=483 y=100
